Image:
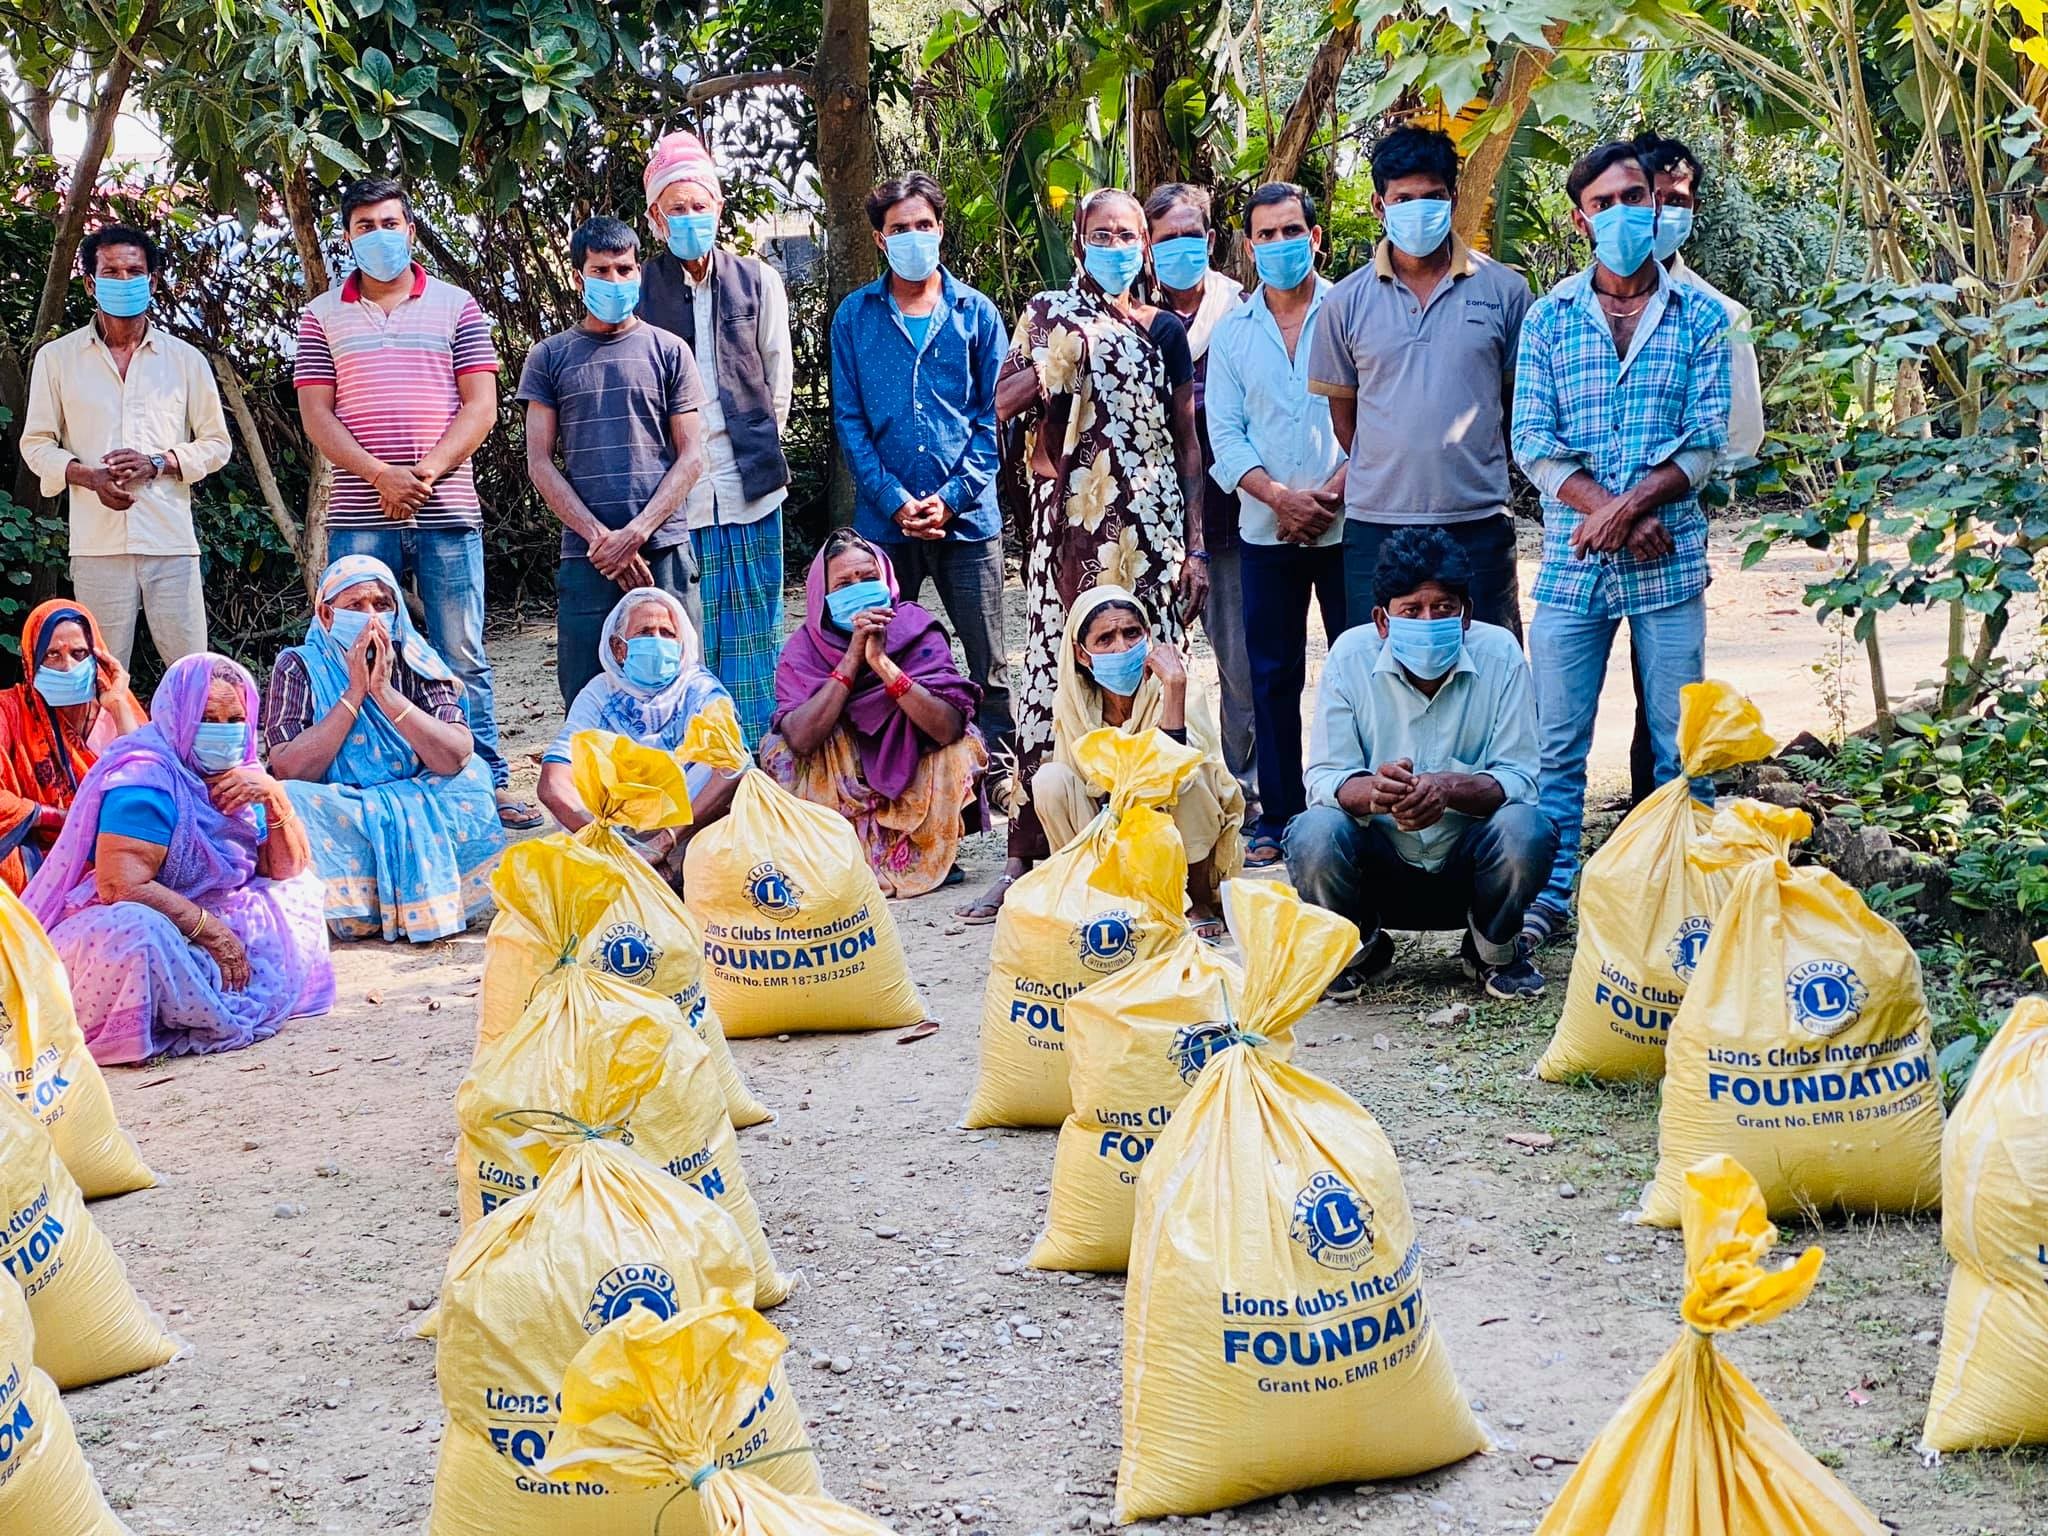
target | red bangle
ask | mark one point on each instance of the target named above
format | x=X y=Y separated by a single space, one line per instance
x=842 y=680
x=903 y=684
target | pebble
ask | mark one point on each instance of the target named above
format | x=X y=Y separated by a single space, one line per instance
x=258 y=1465
x=841 y=1364
x=418 y=1303
x=1030 y=1331
x=286 y=1210
x=1514 y=1421
x=887 y=1233
x=328 y=1171
x=250 y=1146
x=1567 y=1191
x=446 y=1210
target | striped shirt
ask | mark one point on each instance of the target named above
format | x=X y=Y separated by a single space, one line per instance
x=393 y=377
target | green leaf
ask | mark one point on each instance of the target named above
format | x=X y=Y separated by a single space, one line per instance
x=533 y=95
x=430 y=123
x=338 y=153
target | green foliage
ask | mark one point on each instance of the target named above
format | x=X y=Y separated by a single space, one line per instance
x=34 y=541
x=1965 y=1004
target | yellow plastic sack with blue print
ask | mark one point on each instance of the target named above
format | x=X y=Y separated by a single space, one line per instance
x=1276 y=1335
x=796 y=934
x=601 y=1050
x=1646 y=905
x=1109 y=899
x=1696 y=1451
x=1802 y=1050
x=653 y=1402
x=645 y=935
x=605 y=1234
x=1990 y=1389
x=46 y=1488
x=51 y=1070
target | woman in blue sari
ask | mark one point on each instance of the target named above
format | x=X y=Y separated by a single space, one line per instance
x=364 y=724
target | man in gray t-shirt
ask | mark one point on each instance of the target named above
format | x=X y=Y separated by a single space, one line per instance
x=616 y=399
x=1416 y=353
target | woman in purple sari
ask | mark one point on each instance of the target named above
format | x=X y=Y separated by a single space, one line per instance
x=181 y=894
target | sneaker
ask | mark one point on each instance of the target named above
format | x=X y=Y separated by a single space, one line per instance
x=1515 y=981
x=1371 y=963
x=1540 y=926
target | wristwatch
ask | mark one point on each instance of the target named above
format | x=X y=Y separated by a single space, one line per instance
x=158 y=462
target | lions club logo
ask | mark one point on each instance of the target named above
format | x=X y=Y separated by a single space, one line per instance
x=1333 y=1222
x=1687 y=945
x=1195 y=1045
x=1827 y=996
x=773 y=893
x=648 y=1286
x=624 y=949
x=1108 y=941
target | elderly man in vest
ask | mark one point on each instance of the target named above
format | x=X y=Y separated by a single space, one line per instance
x=733 y=312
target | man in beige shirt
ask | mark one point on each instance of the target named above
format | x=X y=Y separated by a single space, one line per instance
x=128 y=417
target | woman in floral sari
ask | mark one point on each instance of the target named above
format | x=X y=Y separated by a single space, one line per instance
x=1116 y=466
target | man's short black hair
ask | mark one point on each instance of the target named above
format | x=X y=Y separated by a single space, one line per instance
x=902 y=188
x=603 y=233
x=1590 y=167
x=1669 y=157
x=1416 y=555
x=1413 y=151
x=1275 y=192
x=118 y=235
x=369 y=192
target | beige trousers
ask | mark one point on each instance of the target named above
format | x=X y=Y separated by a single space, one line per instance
x=116 y=588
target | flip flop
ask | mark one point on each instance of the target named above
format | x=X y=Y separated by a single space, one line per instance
x=923 y=1030
x=1263 y=852
x=517 y=813
x=1210 y=930
x=978 y=913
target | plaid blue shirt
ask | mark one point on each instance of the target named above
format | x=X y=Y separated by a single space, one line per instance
x=1578 y=406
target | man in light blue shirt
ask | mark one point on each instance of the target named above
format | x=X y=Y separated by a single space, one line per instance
x=1422 y=775
x=1275 y=447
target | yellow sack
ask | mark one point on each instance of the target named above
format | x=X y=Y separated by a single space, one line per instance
x=654 y=1403
x=602 y=1051
x=89 y=1324
x=796 y=934
x=606 y=1234
x=1112 y=897
x=1802 y=1051
x=1990 y=1392
x=53 y=1073
x=1646 y=907
x=1275 y=1333
x=46 y=1489
x=646 y=935
x=1696 y=1451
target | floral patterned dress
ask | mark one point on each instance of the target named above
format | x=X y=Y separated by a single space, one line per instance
x=1110 y=508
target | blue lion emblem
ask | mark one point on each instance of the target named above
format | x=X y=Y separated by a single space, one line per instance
x=1333 y=1222
x=625 y=950
x=1196 y=1045
x=1108 y=941
x=772 y=892
x=1826 y=996
x=647 y=1286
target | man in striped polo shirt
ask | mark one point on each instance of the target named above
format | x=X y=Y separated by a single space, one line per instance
x=398 y=385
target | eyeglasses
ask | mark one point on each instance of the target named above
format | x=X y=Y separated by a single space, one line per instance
x=1104 y=239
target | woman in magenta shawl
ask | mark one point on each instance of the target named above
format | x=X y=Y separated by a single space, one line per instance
x=872 y=718
x=181 y=894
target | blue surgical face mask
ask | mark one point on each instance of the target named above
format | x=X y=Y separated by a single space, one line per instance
x=1623 y=236
x=1284 y=263
x=218 y=745
x=121 y=297
x=653 y=661
x=1181 y=262
x=1428 y=648
x=1419 y=225
x=913 y=254
x=1119 y=672
x=857 y=598
x=609 y=301
x=383 y=253
x=691 y=235
x=347 y=624
x=73 y=687
x=1114 y=267
x=1674 y=228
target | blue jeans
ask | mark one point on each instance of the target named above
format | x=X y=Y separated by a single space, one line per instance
x=1568 y=656
x=1280 y=580
x=968 y=576
x=447 y=567
x=1352 y=868
x=584 y=599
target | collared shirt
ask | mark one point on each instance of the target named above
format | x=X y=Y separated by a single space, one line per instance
x=1482 y=720
x=79 y=407
x=393 y=375
x=718 y=496
x=1261 y=414
x=1221 y=295
x=1432 y=383
x=919 y=419
x=1580 y=407
x=1745 y=379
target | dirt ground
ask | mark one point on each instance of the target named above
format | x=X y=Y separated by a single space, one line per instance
x=308 y=1207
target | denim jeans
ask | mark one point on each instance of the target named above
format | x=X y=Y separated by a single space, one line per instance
x=1280 y=580
x=584 y=599
x=1568 y=657
x=968 y=574
x=1351 y=867
x=1489 y=542
x=447 y=567
x=1223 y=621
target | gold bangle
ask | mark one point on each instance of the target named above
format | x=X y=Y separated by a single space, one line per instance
x=398 y=718
x=197 y=928
x=345 y=704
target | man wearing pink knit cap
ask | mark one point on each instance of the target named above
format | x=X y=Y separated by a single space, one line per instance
x=733 y=312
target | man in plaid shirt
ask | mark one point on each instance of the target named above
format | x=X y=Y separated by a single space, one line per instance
x=1621 y=409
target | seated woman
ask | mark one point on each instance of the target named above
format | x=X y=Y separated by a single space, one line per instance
x=70 y=705
x=652 y=686
x=181 y=894
x=871 y=718
x=1113 y=673
x=364 y=724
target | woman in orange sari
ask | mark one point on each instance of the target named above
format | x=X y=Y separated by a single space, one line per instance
x=72 y=702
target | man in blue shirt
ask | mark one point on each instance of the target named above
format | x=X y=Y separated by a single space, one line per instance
x=914 y=361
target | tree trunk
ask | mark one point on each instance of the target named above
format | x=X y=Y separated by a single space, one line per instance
x=297 y=190
x=1318 y=91
x=846 y=172
x=1515 y=82
x=1159 y=158
x=38 y=109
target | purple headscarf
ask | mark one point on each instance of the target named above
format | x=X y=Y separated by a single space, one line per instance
x=888 y=742
x=209 y=853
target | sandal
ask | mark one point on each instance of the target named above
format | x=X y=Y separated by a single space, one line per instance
x=922 y=1030
x=1263 y=851
x=988 y=906
x=518 y=813
x=1210 y=930
x=954 y=876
